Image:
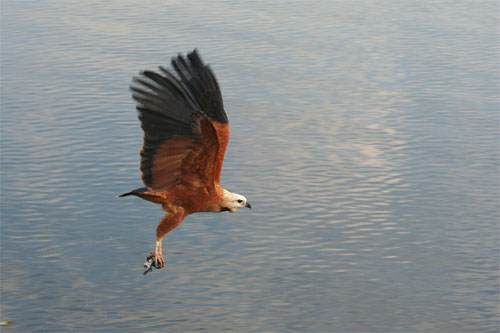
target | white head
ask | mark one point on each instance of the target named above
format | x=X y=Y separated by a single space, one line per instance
x=234 y=201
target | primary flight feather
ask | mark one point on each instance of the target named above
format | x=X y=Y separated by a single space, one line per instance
x=186 y=132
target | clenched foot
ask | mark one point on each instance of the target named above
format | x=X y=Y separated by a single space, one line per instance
x=154 y=259
x=157 y=260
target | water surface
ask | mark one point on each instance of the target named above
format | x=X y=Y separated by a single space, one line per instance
x=365 y=135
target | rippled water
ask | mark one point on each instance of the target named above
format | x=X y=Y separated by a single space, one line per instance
x=364 y=133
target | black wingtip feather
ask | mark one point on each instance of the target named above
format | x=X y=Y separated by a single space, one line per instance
x=134 y=192
x=201 y=83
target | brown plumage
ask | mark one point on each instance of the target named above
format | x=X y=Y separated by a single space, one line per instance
x=186 y=132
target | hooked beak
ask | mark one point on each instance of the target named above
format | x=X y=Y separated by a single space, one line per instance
x=248 y=205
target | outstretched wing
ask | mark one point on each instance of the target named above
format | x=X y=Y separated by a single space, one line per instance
x=185 y=126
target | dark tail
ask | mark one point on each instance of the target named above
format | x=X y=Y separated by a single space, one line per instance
x=134 y=192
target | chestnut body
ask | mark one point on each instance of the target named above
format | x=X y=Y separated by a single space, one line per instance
x=186 y=132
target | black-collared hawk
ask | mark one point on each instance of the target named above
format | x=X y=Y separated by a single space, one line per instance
x=186 y=132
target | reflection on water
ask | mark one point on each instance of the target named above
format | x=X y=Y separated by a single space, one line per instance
x=365 y=136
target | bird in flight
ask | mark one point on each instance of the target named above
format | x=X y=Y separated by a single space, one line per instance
x=186 y=132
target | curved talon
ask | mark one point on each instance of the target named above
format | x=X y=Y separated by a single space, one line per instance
x=158 y=261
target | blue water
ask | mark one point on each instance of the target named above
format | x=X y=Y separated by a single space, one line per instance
x=364 y=133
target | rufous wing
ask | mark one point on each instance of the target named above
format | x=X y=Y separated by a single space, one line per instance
x=186 y=130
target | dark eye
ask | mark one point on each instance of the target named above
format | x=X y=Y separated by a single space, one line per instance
x=240 y=201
